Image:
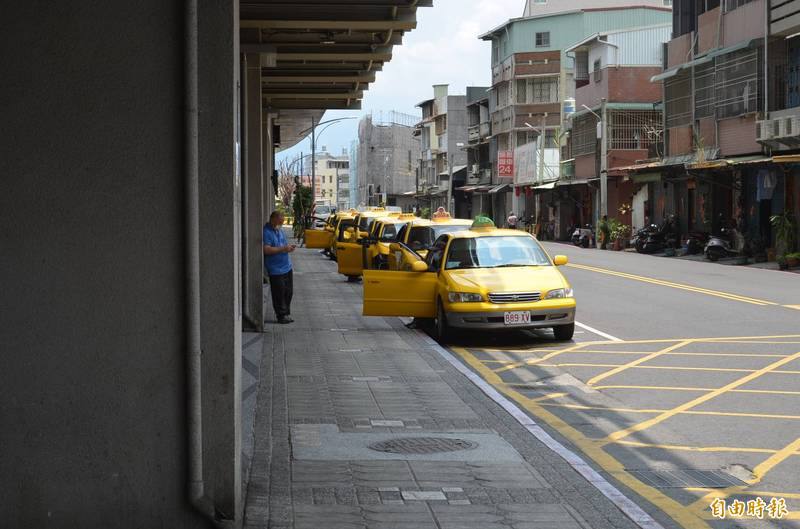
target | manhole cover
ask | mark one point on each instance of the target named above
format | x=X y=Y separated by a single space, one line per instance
x=422 y=445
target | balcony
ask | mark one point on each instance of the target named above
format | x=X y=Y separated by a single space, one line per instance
x=479 y=132
x=780 y=132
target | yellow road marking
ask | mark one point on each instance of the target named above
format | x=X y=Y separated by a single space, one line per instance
x=537 y=360
x=684 y=517
x=621 y=434
x=592 y=381
x=683 y=353
x=678 y=388
x=759 y=472
x=680 y=286
x=688 y=412
x=673 y=368
x=685 y=448
x=795 y=307
x=762 y=493
x=775 y=459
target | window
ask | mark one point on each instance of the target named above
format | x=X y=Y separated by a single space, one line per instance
x=537 y=90
x=667 y=3
x=543 y=39
x=598 y=73
x=540 y=2
x=678 y=99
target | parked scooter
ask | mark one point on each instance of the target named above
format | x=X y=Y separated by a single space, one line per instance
x=583 y=237
x=730 y=243
x=654 y=239
x=696 y=242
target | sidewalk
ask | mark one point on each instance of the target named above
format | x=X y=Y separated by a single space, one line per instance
x=334 y=383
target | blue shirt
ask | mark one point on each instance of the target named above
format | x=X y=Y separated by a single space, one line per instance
x=280 y=263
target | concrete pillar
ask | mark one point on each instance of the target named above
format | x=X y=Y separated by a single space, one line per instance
x=220 y=254
x=252 y=193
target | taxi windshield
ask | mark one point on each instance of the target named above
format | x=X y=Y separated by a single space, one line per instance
x=365 y=222
x=495 y=252
x=389 y=233
x=422 y=237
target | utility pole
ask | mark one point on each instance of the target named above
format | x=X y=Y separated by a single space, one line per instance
x=603 y=158
x=313 y=161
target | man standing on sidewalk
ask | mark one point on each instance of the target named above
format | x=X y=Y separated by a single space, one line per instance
x=279 y=266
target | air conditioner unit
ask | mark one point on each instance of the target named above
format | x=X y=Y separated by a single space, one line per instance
x=765 y=130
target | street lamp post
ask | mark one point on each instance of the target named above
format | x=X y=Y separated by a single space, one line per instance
x=313 y=131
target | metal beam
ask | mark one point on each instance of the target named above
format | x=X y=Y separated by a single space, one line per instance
x=319 y=95
x=314 y=104
x=323 y=78
x=405 y=23
x=335 y=55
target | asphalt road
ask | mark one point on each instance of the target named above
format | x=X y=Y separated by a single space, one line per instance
x=682 y=383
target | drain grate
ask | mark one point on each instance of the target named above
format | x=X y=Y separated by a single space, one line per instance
x=672 y=479
x=422 y=445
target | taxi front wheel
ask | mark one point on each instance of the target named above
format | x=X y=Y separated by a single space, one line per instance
x=564 y=332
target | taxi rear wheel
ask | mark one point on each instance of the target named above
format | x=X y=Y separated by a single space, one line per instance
x=564 y=332
x=442 y=328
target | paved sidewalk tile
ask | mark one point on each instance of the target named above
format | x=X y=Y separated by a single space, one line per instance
x=335 y=383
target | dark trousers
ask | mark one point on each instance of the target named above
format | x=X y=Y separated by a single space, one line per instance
x=282 y=287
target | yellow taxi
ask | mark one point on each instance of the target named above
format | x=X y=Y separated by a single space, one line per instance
x=324 y=238
x=420 y=234
x=480 y=278
x=372 y=250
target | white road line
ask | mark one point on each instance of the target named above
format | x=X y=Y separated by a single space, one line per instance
x=623 y=503
x=598 y=333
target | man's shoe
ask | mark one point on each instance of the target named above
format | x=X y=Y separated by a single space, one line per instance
x=288 y=319
x=284 y=321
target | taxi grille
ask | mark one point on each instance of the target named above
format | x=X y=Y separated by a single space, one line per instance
x=514 y=297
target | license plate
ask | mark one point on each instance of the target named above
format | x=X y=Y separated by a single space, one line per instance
x=522 y=317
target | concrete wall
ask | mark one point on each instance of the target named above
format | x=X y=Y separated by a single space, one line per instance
x=93 y=387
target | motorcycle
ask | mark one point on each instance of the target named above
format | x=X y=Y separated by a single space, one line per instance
x=730 y=243
x=583 y=237
x=653 y=239
x=696 y=242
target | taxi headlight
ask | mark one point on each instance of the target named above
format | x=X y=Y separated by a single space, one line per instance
x=464 y=297
x=559 y=293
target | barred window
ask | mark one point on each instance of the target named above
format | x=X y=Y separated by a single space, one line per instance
x=629 y=130
x=737 y=83
x=704 y=81
x=678 y=99
x=543 y=39
x=584 y=135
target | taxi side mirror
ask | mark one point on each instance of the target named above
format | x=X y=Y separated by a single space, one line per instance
x=419 y=266
x=560 y=260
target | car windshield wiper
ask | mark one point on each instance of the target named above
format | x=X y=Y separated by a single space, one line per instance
x=510 y=265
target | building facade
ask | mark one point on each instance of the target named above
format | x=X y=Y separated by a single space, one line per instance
x=442 y=135
x=729 y=96
x=387 y=160
x=612 y=78
x=533 y=88
x=476 y=193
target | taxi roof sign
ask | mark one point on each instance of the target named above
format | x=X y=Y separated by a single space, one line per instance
x=482 y=222
x=440 y=214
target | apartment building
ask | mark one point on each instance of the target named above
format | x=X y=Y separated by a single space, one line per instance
x=442 y=156
x=533 y=77
x=617 y=121
x=388 y=156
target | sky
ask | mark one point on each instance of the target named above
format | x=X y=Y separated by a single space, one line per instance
x=444 y=49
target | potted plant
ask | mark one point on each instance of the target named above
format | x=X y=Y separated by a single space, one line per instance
x=784 y=233
x=619 y=234
x=793 y=259
x=782 y=264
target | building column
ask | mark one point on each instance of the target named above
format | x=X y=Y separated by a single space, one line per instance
x=220 y=255
x=253 y=182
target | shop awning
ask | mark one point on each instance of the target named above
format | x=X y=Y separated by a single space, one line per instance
x=575 y=182
x=499 y=188
x=666 y=74
x=786 y=158
x=548 y=185
x=466 y=189
x=643 y=178
x=728 y=162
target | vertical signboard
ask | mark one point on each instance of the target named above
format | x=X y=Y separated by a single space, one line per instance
x=505 y=164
